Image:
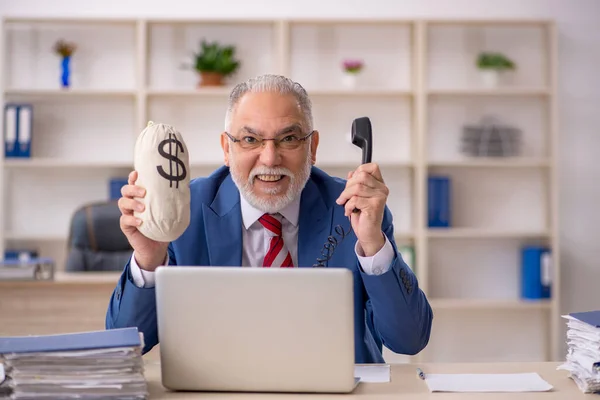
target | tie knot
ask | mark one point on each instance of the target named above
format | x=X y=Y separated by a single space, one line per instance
x=271 y=223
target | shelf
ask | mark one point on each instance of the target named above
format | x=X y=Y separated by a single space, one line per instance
x=60 y=237
x=51 y=237
x=71 y=92
x=492 y=163
x=350 y=165
x=85 y=135
x=478 y=233
x=349 y=21
x=87 y=277
x=30 y=163
x=507 y=23
x=197 y=92
x=70 y=21
x=224 y=91
x=398 y=236
x=490 y=304
x=372 y=92
x=17 y=163
x=490 y=92
x=67 y=279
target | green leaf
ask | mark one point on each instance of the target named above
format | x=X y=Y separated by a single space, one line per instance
x=213 y=57
x=497 y=61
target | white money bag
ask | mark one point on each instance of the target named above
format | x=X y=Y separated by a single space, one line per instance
x=161 y=160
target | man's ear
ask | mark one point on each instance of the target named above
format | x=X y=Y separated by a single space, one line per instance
x=225 y=147
x=314 y=143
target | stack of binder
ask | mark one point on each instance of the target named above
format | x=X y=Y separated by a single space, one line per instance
x=88 y=365
x=583 y=354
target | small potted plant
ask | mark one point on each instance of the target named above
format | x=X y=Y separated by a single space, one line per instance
x=491 y=65
x=214 y=63
x=65 y=50
x=351 y=68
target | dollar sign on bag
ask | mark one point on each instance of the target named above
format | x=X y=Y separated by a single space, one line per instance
x=173 y=158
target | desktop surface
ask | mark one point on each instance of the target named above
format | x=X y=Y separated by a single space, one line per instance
x=404 y=385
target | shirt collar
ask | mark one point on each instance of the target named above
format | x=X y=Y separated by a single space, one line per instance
x=250 y=214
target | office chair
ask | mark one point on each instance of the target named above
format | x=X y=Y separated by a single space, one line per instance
x=96 y=242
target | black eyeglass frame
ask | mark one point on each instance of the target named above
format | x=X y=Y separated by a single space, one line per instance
x=276 y=140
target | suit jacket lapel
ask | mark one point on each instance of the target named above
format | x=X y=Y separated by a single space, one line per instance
x=223 y=226
x=315 y=225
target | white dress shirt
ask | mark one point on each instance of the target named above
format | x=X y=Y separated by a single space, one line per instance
x=256 y=240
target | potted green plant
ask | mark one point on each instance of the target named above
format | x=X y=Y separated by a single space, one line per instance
x=214 y=62
x=491 y=65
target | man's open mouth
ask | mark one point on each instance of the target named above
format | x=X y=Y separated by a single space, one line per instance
x=269 y=178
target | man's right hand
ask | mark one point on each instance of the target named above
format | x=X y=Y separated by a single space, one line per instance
x=149 y=254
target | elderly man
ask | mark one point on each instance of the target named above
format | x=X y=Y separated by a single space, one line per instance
x=269 y=188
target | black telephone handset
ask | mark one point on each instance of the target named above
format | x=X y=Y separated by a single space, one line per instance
x=362 y=137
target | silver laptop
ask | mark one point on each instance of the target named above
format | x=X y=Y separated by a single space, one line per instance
x=256 y=329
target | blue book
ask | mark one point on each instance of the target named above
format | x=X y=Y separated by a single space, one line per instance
x=18 y=130
x=11 y=130
x=115 y=187
x=443 y=183
x=536 y=274
x=589 y=317
x=438 y=201
x=125 y=337
x=25 y=129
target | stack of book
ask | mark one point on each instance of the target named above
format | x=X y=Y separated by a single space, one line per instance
x=88 y=365
x=583 y=353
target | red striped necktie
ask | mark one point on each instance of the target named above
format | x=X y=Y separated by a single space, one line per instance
x=278 y=254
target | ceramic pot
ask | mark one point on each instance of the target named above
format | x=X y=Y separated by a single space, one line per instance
x=490 y=78
x=210 y=79
x=349 y=80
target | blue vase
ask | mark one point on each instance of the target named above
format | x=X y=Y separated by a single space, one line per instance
x=66 y=71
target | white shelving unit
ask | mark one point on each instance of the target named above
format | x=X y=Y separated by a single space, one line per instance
x=419 y=88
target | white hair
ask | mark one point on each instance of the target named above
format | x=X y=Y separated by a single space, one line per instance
x=271 y=83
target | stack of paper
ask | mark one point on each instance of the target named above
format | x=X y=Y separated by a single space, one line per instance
x=4 y=388
x=90 y=365
x=583 y=353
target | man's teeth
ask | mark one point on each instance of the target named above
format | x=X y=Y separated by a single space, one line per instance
x=269 y=178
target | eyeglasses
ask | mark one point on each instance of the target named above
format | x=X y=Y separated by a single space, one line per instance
x=286 y=142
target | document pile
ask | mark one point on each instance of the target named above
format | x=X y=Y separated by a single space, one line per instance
x=88 y=365
x=583 y=353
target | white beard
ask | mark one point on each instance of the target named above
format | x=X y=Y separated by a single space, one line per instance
x=275 y=202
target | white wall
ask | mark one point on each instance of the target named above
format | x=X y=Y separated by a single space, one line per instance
x=579 y=102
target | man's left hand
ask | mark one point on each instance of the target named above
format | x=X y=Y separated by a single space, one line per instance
x=366 y=191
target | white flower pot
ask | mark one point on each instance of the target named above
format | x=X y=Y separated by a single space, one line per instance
x=349 y=80
x=490 y=78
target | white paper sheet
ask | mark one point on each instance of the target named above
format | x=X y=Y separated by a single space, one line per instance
x=526 y=382
x=372 y=373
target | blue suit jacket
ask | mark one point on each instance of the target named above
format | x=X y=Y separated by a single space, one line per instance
x=389 y=309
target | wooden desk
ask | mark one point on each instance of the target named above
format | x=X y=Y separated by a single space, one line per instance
x=404 y=385
x=70 y=303
x=78 y=302
x=73 y=302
